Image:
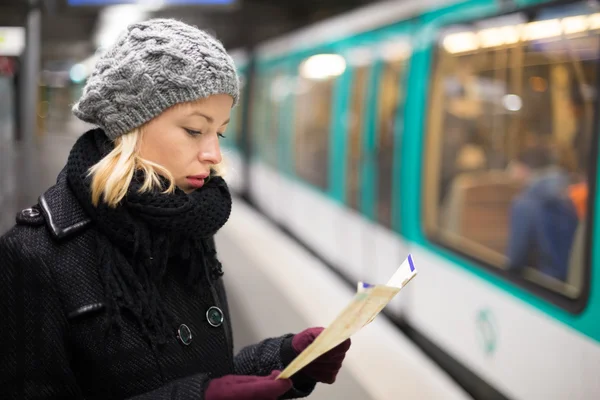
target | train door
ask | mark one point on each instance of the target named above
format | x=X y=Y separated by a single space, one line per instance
x=352 y=228
x=385 y=153
x=373 y=145
x=318 y=76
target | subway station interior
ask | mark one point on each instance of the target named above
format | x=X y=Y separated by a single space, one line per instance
x=459 y=135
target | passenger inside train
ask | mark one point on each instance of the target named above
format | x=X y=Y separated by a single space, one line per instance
x=543 y=218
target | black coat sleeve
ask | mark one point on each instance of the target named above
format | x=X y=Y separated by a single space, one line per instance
x=34 y=343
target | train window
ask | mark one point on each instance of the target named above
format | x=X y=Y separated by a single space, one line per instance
x=274 y=108
x=355 y=136
x=389 y=96
x=510 y=127
x=260 y=126
x=314 y=97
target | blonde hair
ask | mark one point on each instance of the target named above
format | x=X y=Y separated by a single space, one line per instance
x=112 y=175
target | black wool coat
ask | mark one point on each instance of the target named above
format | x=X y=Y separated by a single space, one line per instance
x=53 y=340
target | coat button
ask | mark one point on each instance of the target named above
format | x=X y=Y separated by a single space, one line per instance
x=214 y=316
x=184 y=334
x=30 y=216
x=31 y=213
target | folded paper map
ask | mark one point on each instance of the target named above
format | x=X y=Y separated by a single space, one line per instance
x=362 y=309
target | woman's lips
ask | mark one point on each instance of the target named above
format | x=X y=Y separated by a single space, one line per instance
x=196 y=181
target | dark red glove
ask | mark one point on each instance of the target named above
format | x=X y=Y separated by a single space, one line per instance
x=326 y=367
x=247 y=387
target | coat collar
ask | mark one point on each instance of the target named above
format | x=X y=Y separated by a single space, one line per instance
x=61 y=210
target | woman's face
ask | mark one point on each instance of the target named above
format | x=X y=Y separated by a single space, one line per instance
x=185 y=139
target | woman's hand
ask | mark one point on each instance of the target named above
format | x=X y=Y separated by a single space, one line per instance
x=247 y=387
x=326 y=367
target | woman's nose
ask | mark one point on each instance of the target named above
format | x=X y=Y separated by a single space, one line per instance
x=210 y=152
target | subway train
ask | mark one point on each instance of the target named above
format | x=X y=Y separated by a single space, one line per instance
x=422 y=127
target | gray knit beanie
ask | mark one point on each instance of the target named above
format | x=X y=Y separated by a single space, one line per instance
x=154 y=65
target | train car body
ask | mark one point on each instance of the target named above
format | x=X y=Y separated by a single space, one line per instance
x=408 y=127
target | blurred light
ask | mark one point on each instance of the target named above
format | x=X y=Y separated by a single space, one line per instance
x=511 y=33
x=113 y=21
x=574 y=24
x=594 y=21
x=512 y=102
x=542 y=29
x=460 y=42
x=78 y=73
x=12 y=41
x=490 y=37
x=323 y=66
x=493 y=37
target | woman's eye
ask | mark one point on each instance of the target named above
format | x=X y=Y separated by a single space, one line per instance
x=196 y=133
x=192 y=132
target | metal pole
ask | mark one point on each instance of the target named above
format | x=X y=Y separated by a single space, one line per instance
x=30 y=73
x=26 y=155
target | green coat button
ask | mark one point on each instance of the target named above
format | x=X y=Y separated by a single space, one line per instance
x=184 y=334
x=214 y=316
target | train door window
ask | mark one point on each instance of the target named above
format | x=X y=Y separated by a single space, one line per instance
x=390 y=94
x=355 y=135
x=314 y=96
x=510 y=127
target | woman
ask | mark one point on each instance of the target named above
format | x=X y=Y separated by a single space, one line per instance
x=110 y=287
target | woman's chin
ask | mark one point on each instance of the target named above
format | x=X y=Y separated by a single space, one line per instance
x=185 y=188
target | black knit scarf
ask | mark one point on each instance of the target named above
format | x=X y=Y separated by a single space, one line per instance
x=138 y=237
